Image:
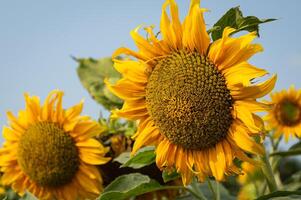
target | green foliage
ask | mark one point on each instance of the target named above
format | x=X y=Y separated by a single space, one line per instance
x=291 y=194
x=294 y=182
x=129 y=185
x=92 y=73
x=204 y=188
x=28 y=196
x=292 y=152
x=235 y=19
x=118 y=126
x=296 y=146
x=169 y=176
x=144 y=157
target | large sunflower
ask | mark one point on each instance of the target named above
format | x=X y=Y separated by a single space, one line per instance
x=49 y=151
x=285 y=117
x=194 y=99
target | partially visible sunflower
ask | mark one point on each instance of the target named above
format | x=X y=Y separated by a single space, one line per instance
x=2 y=188
x=194 y=99
x=50 y=151
x=250 y=180
x=250 y=173
x=247 y=170
x=247 y=192
x=285 y=117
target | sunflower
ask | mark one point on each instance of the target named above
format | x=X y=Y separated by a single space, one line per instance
x=194 y=99
x=50 y=151
x=285 y=117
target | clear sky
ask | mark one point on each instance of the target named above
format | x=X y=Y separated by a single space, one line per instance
x=37 y=39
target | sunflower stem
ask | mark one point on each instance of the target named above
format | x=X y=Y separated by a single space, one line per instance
x=268 y=173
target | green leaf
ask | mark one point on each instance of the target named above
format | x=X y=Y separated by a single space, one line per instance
x=292 y=152
x=130 y=185
x=144 y=157
x=296 y=146
x=204 y=188
x=29 y=196
x=279 y=194
x=123 y=158
x=235 y=19
x=169 y=176
x=92 y=73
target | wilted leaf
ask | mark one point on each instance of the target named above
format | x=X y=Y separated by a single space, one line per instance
x=92 y=73
x=235 y=19
x=129 y=185
x=144 y=157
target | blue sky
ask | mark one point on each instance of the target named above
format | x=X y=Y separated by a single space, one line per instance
x=37 y=39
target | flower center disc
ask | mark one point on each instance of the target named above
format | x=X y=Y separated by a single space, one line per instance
x=188 y=100
x=48 y=155
x=289 y=113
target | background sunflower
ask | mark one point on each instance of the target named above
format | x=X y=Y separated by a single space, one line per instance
x=285 y=117
x=49 y=151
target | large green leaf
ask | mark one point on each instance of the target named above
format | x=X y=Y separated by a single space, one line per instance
x=92 y=73
x=129 y=185
x=291 y=194
x=144 y=157
x=235 y=19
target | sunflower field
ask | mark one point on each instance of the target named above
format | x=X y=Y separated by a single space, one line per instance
x=190 y=119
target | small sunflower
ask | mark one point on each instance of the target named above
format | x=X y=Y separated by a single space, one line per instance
x=50 y=151
x=194 y=99
x=285 y=117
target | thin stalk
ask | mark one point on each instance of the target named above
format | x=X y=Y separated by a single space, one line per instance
x=212 y=189
x=218 y=194
x=268 y=173
x=256 y=188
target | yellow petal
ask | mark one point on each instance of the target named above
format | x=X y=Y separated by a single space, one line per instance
x=242 y=73
x=246 y=116
x=217 y=172
x=195 y=35
x=129 y=52
x=132 y=70
x=126 y=89
x=146 y=48
x=227 y=52
x=254 y=91
x=239 y=134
